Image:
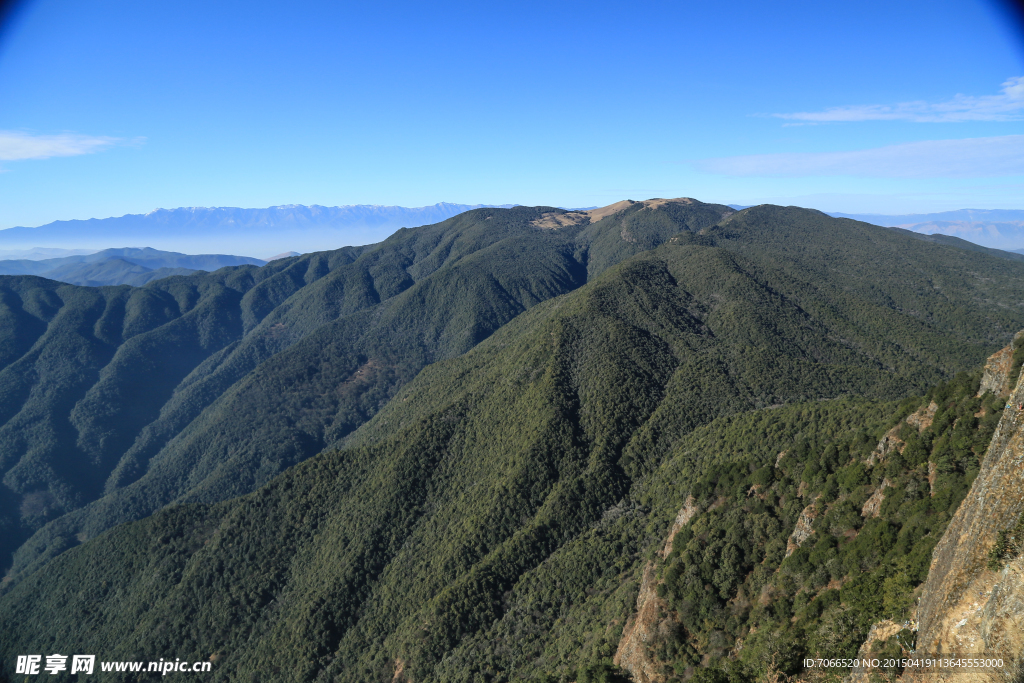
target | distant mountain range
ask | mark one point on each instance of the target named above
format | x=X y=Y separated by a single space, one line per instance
x=40 y=253
x=995 y=228
x=295 y=228
x=231 y=230
x=958 y=216
x=123 y=266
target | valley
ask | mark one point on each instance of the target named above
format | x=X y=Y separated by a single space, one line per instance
x=664 y=441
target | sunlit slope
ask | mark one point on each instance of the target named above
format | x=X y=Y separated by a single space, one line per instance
x=207 y=386
x=509 y=469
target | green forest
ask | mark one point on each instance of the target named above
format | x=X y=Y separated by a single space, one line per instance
x=457 y=455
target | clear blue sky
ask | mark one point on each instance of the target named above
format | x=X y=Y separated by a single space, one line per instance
x=114 y=107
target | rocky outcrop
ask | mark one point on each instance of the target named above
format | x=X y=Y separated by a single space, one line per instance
x=633 y=653
x=1002 y=619
x=878 y=634
x=996 y=377
x=889 y=443
x=653 y=615
x=873 y=505
x=803 y=529
x=686 y=513
x=923 y=417
x=965 y=607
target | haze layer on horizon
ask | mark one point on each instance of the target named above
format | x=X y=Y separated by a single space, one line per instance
x=114 y=108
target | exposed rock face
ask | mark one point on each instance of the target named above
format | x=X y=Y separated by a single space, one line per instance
x=966 y=608
x=399 y=676
x=888 y=444
x=686 y=513
x=803 y=529
x=653 y=615
x=779 y=457
x=633 y=654
x=1002 y=619
x=879 y=633
x=873 y=505
x=997 y=372
x=923 y=417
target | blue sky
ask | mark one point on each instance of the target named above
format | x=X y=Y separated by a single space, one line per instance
x=114 y=107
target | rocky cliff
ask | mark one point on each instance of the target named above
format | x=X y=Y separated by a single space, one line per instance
x=653 y=617
x=967 y=607
x=997 y=370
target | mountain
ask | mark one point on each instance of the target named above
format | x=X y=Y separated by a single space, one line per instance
x=1007 y=236
x=430 y=565
x=964 y=244
x=180 y=386
x=121 y=266
x=993 y=228
x=513 y=410
x=147 y=257
x=958 y=216
x=113 y=271
x=233 y=230
x=40 y=253
x=287 y=254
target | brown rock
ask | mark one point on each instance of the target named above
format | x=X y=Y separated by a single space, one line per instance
x=923 y=417
x=873 y=505
x=803 y=529
x=399 y=671
x=686 y=513
x=889 y=443
x=966 y=608
x=652 y=613
x=878 y=633
x=996 y=376
x=779 y=457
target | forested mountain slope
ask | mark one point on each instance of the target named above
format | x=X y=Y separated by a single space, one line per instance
x=200 y=388
x=495 y=518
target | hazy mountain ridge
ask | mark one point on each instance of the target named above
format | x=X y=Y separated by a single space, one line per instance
x=495 y=517
x=112 y=272
x=41 y=253
x=128 y=266
x=957 y=216
x=270 y=230
x=993 y=228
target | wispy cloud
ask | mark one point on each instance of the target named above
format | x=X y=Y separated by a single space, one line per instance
x=968 y=158
x=1008 y=105
x=18 y=146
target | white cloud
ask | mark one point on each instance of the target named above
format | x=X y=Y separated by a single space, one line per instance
x=17 y=146
x=968 y=158
x=1008 y=105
